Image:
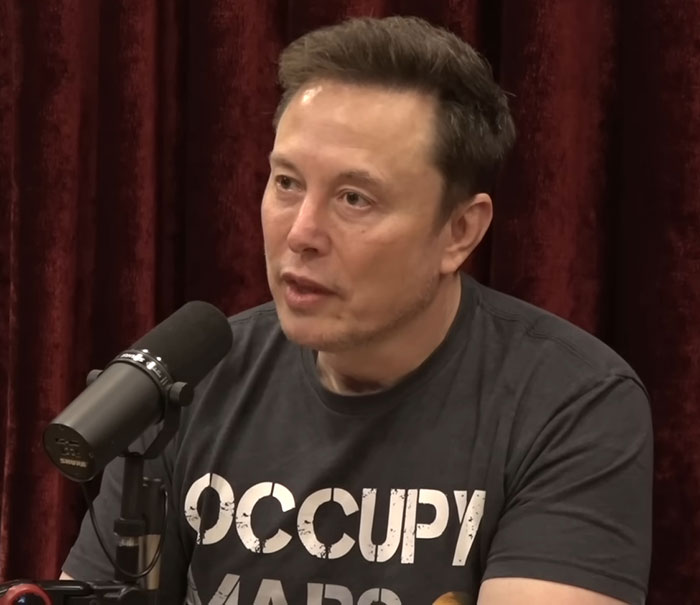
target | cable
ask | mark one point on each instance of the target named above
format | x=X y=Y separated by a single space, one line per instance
x=156 y=555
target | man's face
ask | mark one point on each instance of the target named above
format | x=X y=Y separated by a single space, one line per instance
x=349 y=214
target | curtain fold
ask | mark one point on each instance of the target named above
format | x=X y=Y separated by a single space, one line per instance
x=552 y=227
x=231 y=98
x=657 y=254
x=43 y=92
x=133 y=155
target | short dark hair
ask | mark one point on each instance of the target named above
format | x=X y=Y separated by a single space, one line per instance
x=475 y=130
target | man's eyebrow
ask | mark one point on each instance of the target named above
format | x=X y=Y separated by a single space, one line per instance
x=362 y=177
x=359 y=175
x=280 y=160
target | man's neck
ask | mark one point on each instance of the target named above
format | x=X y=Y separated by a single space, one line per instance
x=380 y=365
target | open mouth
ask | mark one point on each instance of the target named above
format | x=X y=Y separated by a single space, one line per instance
x=302 y=293
x=304 y=285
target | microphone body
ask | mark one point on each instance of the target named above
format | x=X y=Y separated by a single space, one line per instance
x=86 y=435
x=132 y=392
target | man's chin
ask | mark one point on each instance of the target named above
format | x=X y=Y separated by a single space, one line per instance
x=310 y=340
x=310 y=333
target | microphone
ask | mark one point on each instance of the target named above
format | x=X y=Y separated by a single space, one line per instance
x=135 y=388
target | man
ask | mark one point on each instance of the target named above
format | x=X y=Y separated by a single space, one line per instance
x=388 y=430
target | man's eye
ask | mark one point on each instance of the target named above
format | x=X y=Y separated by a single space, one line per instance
x=355 y=199
x=284 y=182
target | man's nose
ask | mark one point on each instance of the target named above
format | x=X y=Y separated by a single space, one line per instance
x=309 y=231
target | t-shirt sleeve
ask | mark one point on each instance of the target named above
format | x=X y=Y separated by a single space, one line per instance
x=86 y=559
x=578 y=497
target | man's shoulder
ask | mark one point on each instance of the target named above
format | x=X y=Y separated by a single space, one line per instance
x=257 y=340
x=259 y=350
x=256 y=334
x=538 y=335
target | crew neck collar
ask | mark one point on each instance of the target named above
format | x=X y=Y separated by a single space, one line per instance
x=377 y=402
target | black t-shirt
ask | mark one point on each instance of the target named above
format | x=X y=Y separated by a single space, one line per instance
x=521 y=447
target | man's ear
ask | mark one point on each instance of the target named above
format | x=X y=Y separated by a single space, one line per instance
x=465 y=229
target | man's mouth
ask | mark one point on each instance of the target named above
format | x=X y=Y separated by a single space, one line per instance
x=304 y=294
x=304 y=284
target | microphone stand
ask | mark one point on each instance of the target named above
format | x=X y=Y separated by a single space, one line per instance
x=140 y=530
x=142 y=510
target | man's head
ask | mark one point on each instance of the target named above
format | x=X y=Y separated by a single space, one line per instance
x=389 y=135
x=473 y=127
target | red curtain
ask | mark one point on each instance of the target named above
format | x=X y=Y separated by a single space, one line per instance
x=133 y=142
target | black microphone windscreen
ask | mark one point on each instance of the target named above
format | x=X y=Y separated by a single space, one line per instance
x=190 y=342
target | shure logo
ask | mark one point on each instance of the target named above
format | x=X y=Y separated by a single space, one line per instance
x=72 y=462
x=135 y=356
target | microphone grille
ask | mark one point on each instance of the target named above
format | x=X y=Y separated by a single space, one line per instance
x=190 y=342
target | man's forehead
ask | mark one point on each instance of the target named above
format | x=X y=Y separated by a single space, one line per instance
x=318 y=93
x=308 y=93
x=366 y=113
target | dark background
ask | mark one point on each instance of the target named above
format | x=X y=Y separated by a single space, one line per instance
x=133 y=143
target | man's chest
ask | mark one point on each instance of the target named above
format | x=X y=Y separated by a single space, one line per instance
x=386 y=514
x=271 y=545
